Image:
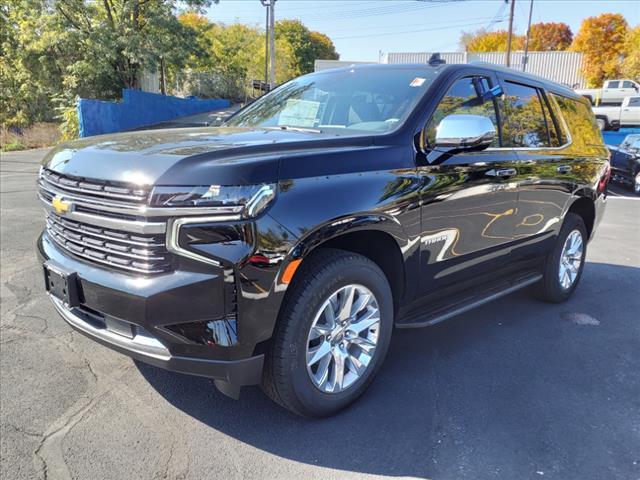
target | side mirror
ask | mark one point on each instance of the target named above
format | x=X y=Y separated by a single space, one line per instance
x=464 y=132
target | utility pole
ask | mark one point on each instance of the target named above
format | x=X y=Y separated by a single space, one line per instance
x=513 y=4
x=270 y=44
x=266 y=47
x=525 y=59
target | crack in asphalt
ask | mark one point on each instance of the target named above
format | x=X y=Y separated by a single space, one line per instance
x=49 y=452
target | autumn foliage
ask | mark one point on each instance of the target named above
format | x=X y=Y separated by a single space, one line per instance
x=544 y=37
x=551 y=36
x=602 y=41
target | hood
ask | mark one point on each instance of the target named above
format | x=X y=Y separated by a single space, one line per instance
x=189 y=156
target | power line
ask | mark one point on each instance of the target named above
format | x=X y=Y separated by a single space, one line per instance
x=411 y=31
x=372 y=27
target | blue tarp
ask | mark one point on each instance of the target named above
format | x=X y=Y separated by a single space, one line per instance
x=138 y=109
x=616 y=138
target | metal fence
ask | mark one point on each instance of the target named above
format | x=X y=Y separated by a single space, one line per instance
x=560 y=67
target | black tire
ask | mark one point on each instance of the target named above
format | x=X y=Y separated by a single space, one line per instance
x=549 y=287
x=285 y=378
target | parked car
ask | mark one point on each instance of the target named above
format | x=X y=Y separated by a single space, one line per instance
x=625 y=162
x=612 y=92
x=614 y=117
x=283 y=248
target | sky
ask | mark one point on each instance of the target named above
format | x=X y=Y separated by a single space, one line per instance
x=361 y=30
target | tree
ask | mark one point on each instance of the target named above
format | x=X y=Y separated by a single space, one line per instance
x=630 y=67
x=550 y=36
x=602 y=41
x=307 y=46
x=483 y=41
x=54 y=51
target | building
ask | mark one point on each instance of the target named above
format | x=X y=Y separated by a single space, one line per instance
x=560 y=67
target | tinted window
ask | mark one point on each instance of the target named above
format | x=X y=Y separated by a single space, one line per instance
x=634 y=102
x=341 y=101
x=615 y=84
x=580 y=121
x=463 y=99
x=628 y=84
x=525 y=124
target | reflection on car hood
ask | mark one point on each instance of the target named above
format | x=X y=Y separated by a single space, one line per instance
x=196 y=156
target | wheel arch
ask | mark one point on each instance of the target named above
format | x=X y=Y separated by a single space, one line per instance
x=584 y=206
x=377 y=237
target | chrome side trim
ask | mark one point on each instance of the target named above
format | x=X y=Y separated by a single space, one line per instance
x=173 y=234
x=140 y=344
x=133 y=226
x=265 y=194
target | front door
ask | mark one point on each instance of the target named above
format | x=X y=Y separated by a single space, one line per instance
x=469 y=200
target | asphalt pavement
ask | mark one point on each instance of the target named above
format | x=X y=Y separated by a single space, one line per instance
x=516 y=389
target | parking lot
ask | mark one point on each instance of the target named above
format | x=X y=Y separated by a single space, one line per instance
x=516 y=389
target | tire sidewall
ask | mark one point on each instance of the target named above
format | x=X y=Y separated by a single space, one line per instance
x=311 y=399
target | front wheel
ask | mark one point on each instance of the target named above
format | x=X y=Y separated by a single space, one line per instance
x=563 y=266
x=332 y=335
x=636 y=184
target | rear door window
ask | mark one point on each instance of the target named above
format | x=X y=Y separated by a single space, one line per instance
x=580 y=121
x=634 y=102
x=525 y=125
x=613 y=84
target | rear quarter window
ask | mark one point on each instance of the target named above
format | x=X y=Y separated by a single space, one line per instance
x=580 y=121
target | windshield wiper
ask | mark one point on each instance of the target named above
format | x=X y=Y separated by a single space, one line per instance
x=294 y=129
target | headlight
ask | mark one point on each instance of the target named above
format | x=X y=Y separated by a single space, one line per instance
x=246 y=200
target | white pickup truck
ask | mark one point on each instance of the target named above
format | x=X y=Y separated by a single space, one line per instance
x=612 y=92
x=614 y=117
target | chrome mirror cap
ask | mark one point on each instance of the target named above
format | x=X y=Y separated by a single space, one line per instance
x=465 y=132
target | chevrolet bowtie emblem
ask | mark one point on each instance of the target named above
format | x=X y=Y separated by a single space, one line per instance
x=60 y=205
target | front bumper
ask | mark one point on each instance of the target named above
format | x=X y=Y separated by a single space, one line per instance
x=148 y=305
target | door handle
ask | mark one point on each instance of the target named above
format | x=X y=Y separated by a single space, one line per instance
x=503 y=172
x=564 y=169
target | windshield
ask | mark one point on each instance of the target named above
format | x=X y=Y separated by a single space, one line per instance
x=354 y=101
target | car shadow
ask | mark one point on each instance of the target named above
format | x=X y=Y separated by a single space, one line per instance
x=508 y=386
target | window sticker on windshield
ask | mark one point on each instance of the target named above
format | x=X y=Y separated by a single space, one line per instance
x=299 y=113
x=417 y=82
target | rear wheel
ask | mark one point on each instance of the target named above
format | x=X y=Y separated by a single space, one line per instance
x=563 y=266
x=332 y=336
x=636 y=184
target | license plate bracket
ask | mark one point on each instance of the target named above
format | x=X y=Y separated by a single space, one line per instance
x=62 y=284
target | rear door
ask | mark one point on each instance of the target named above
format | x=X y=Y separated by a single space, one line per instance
x=627 y=89
x=630 y=113
x=545 y=166
x=469 y=199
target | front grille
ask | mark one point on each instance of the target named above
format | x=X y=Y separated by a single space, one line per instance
x=91 y=189
x=127 y=251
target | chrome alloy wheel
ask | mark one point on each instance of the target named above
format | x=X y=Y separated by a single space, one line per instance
x=636 y=184
x=571 y=259
x=343 y=338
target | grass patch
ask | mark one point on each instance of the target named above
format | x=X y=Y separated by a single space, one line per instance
x=38 y=135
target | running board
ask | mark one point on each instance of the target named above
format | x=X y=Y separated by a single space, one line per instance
x=419 y=319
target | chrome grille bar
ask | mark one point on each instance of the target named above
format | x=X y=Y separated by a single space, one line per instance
x=116 y=249
x=97 y=190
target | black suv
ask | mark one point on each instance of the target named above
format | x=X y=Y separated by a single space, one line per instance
x=284 y=247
